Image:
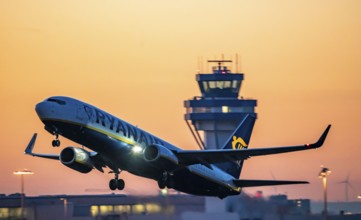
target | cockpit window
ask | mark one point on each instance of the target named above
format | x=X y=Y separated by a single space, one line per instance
x=60 y=102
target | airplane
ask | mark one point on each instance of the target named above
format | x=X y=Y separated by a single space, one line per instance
x=120 y=146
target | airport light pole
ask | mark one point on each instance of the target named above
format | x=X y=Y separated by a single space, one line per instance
x=323 y=174
x=65 y=200
x=22 y=173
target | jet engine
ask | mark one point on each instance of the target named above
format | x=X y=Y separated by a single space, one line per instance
x=160 y=156
x=77 y=159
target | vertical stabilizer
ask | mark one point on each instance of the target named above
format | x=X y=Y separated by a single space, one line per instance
x=238 y=140
x=241 y=136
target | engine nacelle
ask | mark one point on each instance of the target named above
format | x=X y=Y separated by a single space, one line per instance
x=160 y=156
x=77 y=159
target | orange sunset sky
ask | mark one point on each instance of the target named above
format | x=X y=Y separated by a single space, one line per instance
x=138 y=60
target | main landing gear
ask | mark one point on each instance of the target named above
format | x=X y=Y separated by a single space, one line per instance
x=116 y=183
x=165 y=181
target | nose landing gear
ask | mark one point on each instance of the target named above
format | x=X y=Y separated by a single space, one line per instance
x=56 y=142
x=54 y=131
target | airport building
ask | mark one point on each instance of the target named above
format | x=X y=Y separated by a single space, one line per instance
x=99 y=207
x=170 y=207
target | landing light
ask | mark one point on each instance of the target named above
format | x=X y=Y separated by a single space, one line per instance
x=164 y=192
x=137 y=149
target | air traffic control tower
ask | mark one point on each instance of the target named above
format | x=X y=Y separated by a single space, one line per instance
x=219 y=110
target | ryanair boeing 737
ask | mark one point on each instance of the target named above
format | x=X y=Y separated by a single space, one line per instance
x=120 y=146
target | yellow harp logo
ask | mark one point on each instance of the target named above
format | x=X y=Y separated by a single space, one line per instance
x=238 y=143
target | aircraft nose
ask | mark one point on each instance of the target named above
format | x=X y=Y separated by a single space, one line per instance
x=41 y=109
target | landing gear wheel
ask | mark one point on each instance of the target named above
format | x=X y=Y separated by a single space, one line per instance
x=113 y=184
x=170 y=183
x=116 y=183
x=120 y=184
x=56 y=143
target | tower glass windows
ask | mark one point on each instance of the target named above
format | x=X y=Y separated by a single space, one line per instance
x=213 y=88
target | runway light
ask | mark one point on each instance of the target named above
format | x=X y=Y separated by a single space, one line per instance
x=137 y=149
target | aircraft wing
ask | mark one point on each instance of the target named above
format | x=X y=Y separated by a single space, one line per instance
x=96 y=158
x=216 y=156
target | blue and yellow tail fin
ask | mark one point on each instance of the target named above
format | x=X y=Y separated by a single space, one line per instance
x=238 y=140
x=241 y=136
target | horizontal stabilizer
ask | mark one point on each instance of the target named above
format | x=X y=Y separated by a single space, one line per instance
x=253 y=183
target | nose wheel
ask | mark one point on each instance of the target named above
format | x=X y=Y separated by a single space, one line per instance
x=116 y=183
x=56 y=142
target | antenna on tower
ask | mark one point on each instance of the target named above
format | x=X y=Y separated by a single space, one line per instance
x=199 y=65
x=236 y=62
x=207 y=67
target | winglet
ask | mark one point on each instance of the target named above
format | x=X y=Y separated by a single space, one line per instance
x=322 y=139
x=29 y=148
